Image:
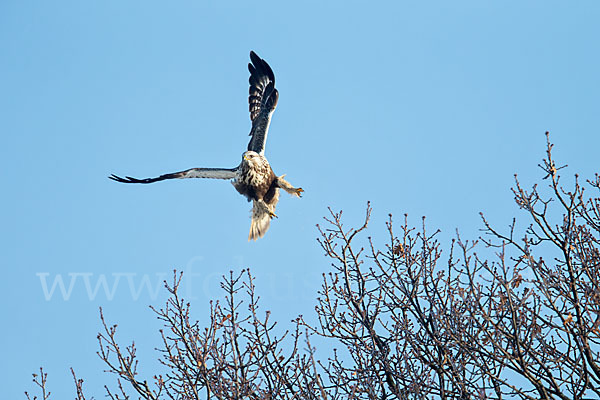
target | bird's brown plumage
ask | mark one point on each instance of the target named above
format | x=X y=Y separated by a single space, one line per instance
x=253 y=178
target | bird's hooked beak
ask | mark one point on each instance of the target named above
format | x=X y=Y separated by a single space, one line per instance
x=246 y=157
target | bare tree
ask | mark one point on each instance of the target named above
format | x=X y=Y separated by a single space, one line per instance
x=520 y=324
x=237 y=356
x=41 y=379
x=506 y=316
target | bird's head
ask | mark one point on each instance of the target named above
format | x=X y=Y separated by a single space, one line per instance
x=252 y=160
x=251 y=157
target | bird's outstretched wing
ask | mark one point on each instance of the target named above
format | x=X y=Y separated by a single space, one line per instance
x=262 y=101
x=214 y=173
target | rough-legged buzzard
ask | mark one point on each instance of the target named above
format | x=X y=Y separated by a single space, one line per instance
x=254 y=177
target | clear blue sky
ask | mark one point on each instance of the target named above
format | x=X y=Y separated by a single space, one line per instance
x=426 y=108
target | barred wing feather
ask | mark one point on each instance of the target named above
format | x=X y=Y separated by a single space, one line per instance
x=262 y=101
x=213 y=173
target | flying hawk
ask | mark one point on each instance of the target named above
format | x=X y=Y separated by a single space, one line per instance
x=254 y=177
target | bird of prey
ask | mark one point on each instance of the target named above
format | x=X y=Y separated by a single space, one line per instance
x=253 y=177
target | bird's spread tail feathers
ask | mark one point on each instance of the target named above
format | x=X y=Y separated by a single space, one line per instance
x=261 y=219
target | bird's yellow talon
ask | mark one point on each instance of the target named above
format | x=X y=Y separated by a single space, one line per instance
x=299 y=192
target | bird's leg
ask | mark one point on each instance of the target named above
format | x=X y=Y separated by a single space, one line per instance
x=267 y=209
x=285 y=185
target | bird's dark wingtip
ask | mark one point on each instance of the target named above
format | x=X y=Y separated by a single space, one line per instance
x=119 y=179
